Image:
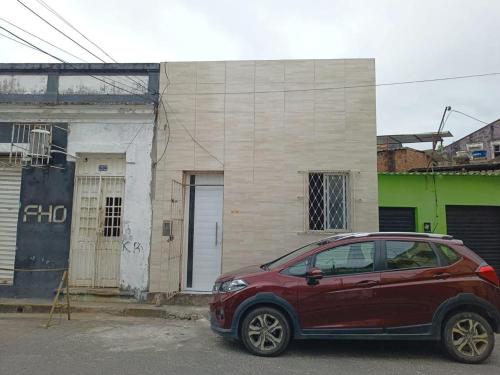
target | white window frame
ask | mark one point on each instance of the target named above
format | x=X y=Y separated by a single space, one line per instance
x=493 y=144
x=347 y=202
x=475 y=147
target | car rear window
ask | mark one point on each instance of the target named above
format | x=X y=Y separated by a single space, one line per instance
x=449 y=255
x=409 y=254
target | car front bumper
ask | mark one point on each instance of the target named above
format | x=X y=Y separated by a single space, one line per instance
x=224 y=332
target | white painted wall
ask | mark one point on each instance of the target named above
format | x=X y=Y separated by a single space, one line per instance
x=135 y=140
x=85 y=85
x=23 y=84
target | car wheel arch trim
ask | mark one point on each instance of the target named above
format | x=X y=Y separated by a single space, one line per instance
x=463 y=299
x=265 y=298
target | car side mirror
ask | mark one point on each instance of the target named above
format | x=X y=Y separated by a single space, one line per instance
x=313 y=275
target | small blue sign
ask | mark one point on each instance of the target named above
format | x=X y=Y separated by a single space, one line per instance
x=103 y=167
x=479 y=154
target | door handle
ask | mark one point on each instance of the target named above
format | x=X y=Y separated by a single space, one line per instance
x=216 y=233
x=367 y=283
x=441 y=276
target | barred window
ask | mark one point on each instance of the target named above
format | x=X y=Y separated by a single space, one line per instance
x=113 y=217
x=329 y=201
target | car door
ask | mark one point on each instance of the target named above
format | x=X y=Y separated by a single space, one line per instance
x=413 y=283
x=344 y=298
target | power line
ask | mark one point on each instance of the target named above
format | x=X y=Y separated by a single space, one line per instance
x=347 y=87
x=63 y=50
x=43 y=40
x=17 y=41
x=167 y=124
x=61 y=32
x=469 y=116
x=53 y=11
x=65 y=62
x=192 y=137
x=50 y=9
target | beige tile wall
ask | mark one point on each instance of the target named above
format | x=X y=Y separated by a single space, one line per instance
x=263 y=123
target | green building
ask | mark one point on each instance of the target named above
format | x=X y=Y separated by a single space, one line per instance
x=463 y=204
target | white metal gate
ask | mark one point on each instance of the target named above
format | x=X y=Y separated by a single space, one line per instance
x=10 y=186
x=97 y=231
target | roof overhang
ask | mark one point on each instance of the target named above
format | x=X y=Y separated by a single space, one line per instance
x=397 y=139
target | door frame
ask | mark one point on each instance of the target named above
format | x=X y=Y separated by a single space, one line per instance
x=80 y=174
x=185 y=245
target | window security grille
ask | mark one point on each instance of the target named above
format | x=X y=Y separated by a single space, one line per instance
x=30 y=145
x=112 y=217
x=329 y=202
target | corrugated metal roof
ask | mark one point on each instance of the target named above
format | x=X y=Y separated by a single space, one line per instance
x=411 y=138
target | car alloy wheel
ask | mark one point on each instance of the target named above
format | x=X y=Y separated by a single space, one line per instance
x=265 y=332
x=468 y=337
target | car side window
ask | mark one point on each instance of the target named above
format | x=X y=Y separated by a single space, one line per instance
x=348 y=259
x=409 y=254
x=449 y=255
x=298 y=269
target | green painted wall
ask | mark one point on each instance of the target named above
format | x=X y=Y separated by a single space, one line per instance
x=429 y=194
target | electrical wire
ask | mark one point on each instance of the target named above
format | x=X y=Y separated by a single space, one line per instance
x=62 y=50
x=167 y=124
x=347 y=87
x=17 y=41
x=192 y=137
x=60 y=31
x=469 y=116
x=43 y=40
x=65 y=62
x=50 y=9
x=256 y=92
x=54 y=12
x=311 y=89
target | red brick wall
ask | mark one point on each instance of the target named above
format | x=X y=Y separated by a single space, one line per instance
x=401 y=160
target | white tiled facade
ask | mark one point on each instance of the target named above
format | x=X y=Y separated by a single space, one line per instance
x=266 y=123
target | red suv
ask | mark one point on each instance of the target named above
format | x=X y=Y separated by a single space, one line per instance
x=402 y=286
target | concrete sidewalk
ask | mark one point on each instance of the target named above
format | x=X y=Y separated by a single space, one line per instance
x=29 y=305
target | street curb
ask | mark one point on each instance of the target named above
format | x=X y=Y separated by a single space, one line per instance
x=146 y=311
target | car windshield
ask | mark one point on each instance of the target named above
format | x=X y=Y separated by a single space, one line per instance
x=298 y=252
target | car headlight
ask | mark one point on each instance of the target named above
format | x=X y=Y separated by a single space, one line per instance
x=232 y=285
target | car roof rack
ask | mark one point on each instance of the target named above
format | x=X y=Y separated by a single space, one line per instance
x=411 y=234
x=345 y=236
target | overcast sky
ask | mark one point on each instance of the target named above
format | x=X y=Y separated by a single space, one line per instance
x=410 y=40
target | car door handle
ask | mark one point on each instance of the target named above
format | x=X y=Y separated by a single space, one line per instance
x=443 y=275
x=367 y=283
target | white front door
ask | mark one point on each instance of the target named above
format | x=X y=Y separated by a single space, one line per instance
x=204 y=237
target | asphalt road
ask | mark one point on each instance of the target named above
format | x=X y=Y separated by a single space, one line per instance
x=109 y=345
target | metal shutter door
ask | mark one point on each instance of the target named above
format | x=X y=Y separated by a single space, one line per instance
x=10 y=186
x=396 y=219
x=479 y=228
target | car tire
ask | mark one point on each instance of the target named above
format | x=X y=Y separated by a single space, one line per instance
x=265 y=332
x=468 y=337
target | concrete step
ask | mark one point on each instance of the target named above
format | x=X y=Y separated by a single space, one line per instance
x=101 y=295
x=14 y=305
x=182 y=299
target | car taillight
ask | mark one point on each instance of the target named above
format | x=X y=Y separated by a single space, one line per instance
x=488 y=273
